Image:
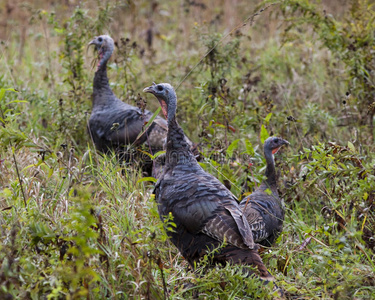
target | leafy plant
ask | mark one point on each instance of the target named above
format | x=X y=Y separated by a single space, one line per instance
x=78 y=224
x=351 y=41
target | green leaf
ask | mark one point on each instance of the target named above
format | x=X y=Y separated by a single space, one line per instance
x=249 y=148
x=59 y=30
x=268 y=192
x=263 y=134
x=158 y=154
x=2 y=92
x=17 y=101
x=267 y=118
x=50 y=173
x=147 y=153
x=152 y=179
x=351 y=147
x=232 y=147
x=7 y=192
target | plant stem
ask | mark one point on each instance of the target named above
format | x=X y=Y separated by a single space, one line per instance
x=19 y=177
x=15 y=162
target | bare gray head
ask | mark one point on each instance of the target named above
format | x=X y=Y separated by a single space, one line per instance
x=273 y=144
x=166 y=95
x=104 y=45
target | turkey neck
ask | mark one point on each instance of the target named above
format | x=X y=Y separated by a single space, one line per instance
x=102 y=92
x=270 y=169
x=178 y=150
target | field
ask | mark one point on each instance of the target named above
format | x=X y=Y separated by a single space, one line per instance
x=77 y=224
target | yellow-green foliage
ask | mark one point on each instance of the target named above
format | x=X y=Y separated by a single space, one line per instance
x=76 y=224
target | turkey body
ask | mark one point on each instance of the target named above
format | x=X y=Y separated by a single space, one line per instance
x=113 y=124
x=206 y=214
x=264 y=214
x=263 y=209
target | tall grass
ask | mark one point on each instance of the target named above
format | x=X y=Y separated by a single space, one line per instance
x=78 y=224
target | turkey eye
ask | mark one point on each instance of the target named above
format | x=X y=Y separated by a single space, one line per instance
x=160 y=88
x=100 y=39
x=276 y=140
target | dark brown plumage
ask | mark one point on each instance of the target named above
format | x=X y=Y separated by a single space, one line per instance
x=114 y=124
x=204 y=211
x=263 y=208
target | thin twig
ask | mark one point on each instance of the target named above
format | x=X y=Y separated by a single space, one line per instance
x=160 y=265
x=19 y=177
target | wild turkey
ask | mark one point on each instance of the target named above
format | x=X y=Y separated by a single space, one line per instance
x=114 y=124
x=205 y=212
x=263 y=209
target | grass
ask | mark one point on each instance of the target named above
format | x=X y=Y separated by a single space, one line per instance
x=76 y=224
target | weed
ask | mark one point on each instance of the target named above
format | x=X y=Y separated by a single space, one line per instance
x=76 y=224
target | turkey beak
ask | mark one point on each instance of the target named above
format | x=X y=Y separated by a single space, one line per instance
x=89 y=44
x=93 y=42
x=149 y=89
x=284 y=142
